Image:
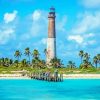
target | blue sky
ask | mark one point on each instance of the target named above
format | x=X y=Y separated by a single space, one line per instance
x=24 y=23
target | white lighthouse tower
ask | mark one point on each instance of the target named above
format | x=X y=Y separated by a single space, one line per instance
x=51 y=41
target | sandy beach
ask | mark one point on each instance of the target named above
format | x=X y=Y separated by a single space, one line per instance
x=13 y=76
x=81 y=76
x=65 y=76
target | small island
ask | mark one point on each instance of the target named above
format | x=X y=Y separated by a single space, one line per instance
x=22 y=68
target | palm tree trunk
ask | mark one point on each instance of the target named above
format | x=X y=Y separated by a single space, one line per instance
x=18 y=62
x=96 y=65
x=81 y=60
x=29 y=59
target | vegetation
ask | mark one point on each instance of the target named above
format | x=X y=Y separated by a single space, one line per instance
x=27 y=53
x=8 y=65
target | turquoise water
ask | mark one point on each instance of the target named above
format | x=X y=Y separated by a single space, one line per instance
x=41 y=90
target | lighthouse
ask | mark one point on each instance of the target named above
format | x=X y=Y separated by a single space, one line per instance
x=51 y=40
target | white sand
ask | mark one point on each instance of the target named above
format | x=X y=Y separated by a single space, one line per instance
x=13 y=76
x=81 y=76
x=65 y=76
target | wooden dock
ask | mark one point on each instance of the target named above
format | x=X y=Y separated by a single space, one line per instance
x=51 y=77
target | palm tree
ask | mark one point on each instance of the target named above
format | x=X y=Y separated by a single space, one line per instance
x=85 y=64
x=35 y=62
x=45 y=51
x=17 y=55
x=27 y=53
x=95 y=60
x=71 y=64
x=41 y=63
x=98 y=56
x=35 y=54
x=2 y=61
x=55 y=62
x=10 y=61
x=81 y=54
x=24 y=62
x=86 y=57
x=7 y=60
x=16 y=62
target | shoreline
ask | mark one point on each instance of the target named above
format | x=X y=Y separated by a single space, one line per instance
x=65 y=76
x=13 y=76
x=81 y=76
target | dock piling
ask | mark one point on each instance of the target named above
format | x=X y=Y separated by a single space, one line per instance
x=47 y=76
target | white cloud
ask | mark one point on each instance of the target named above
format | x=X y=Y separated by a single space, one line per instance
x=61 y=23
x=36 y=15
x=85 y=31
x=9 y=17
x=43 y=41
x=77 y=38
x=88 y=35
x=87 y=22
x=5 y=35
x=36 y=25
x=39 y=24
x=82 y=39
x=91 y=42
x=36 y=29
x=91 y=3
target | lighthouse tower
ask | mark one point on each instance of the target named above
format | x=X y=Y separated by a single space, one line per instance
x=51 y=41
